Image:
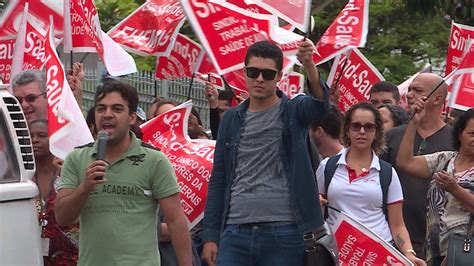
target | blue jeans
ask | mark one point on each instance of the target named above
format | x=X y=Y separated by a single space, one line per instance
x=261 y=244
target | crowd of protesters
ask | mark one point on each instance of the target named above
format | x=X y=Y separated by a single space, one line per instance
x=269 y=175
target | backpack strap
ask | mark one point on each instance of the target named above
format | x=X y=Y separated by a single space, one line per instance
x=385 y=180
x=329 y=170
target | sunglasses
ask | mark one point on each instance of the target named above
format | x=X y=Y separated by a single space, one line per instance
x=267 y=74
x=29 y=98
x=369 y=127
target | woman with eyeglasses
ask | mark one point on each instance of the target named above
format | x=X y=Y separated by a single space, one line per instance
x=450 y=196
x=355 y=187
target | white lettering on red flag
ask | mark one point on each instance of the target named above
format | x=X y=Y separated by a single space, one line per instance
x=358 y=78
x=151 y=29
x=6 y=55
x=292 y=84
x=226 y=34
x=191 y=159
x=182 y=60
x=347 y=31
x=67 y=127
x=462 y=95
x=82 y=27
x=357 y=245
x=296 y=12
x=40 y=10
x=460 y=34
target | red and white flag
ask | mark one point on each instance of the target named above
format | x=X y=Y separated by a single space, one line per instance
x=181 y=62
x=459 y=36
x=347 y=31
x=357 y=245
x=151 y=29
x=292 y=84
x=357 y=79
x=191 y=158
x=462 y=94
x=7 y=45
x=296 y=12
x=29 y=45
x=67 y=127
x=82 y=33
x=40 y=10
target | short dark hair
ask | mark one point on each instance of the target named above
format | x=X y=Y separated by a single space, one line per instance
x=379 y=141
x=164 y=101
x=331 y=122
x=225 y=95
x=397 y=113
x=459 y=125
x=128 y=93
x=386 y=86
x=265 y=49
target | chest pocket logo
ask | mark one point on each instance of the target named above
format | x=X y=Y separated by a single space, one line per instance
x=137 y=159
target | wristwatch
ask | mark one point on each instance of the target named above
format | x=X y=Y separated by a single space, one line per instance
x=410 y=251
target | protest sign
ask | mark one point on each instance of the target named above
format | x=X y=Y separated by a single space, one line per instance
x=7 y=45
x=462 y=95
x=357 y=245
x=191 y=158
x=296 y=12
x=292 y=84
x=357 y=79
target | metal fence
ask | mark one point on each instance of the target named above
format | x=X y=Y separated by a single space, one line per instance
x=148 y=87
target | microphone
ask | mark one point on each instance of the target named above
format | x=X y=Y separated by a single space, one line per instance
x=102 y=139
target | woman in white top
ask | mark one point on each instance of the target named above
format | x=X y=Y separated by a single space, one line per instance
x=355 y=187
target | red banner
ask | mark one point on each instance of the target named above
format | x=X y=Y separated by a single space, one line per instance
x=216 y=80
x=151 y=29
x=347 y=31
x=292 y=84
x=191 y=159
x=355 y=83
x=67 y=127
x=41 y=10
x=224 y=33
x=82 y=27
x=295 y=12
x=357 y=245
x=182 y=60
x=6 y=55
x=249 y=7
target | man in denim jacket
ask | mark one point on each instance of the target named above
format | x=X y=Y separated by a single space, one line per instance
x=262 y=195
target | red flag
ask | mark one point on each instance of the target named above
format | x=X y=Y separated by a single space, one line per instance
x=191 y=158
x=457 y=45
x=40 y=10
x=347 y=31
x=151 y=29
x=357 y=245
x=182 y=60
x=295 y=12
x=82 y=27
x=292 y=84
x=462 y=94
x=6 y=55
x=355 y=83
x=67 y=127
x=29 y=45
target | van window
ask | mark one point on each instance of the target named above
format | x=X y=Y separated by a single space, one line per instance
x=8 y=173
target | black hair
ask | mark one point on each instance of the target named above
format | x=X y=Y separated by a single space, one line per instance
x=397 y=113
x=459 y=125
x=128 y=93
x=386 y=86
x=225 y=95
x=90 y=117
x=331 y=122
x=265 y=49
x=162 y=102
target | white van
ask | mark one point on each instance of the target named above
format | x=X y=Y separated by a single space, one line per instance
x=20 y=241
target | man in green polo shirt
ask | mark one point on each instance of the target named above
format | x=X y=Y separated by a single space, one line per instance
x=116 y=200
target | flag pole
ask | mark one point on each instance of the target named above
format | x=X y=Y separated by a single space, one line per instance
x=190 y=87
x=228 y=87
